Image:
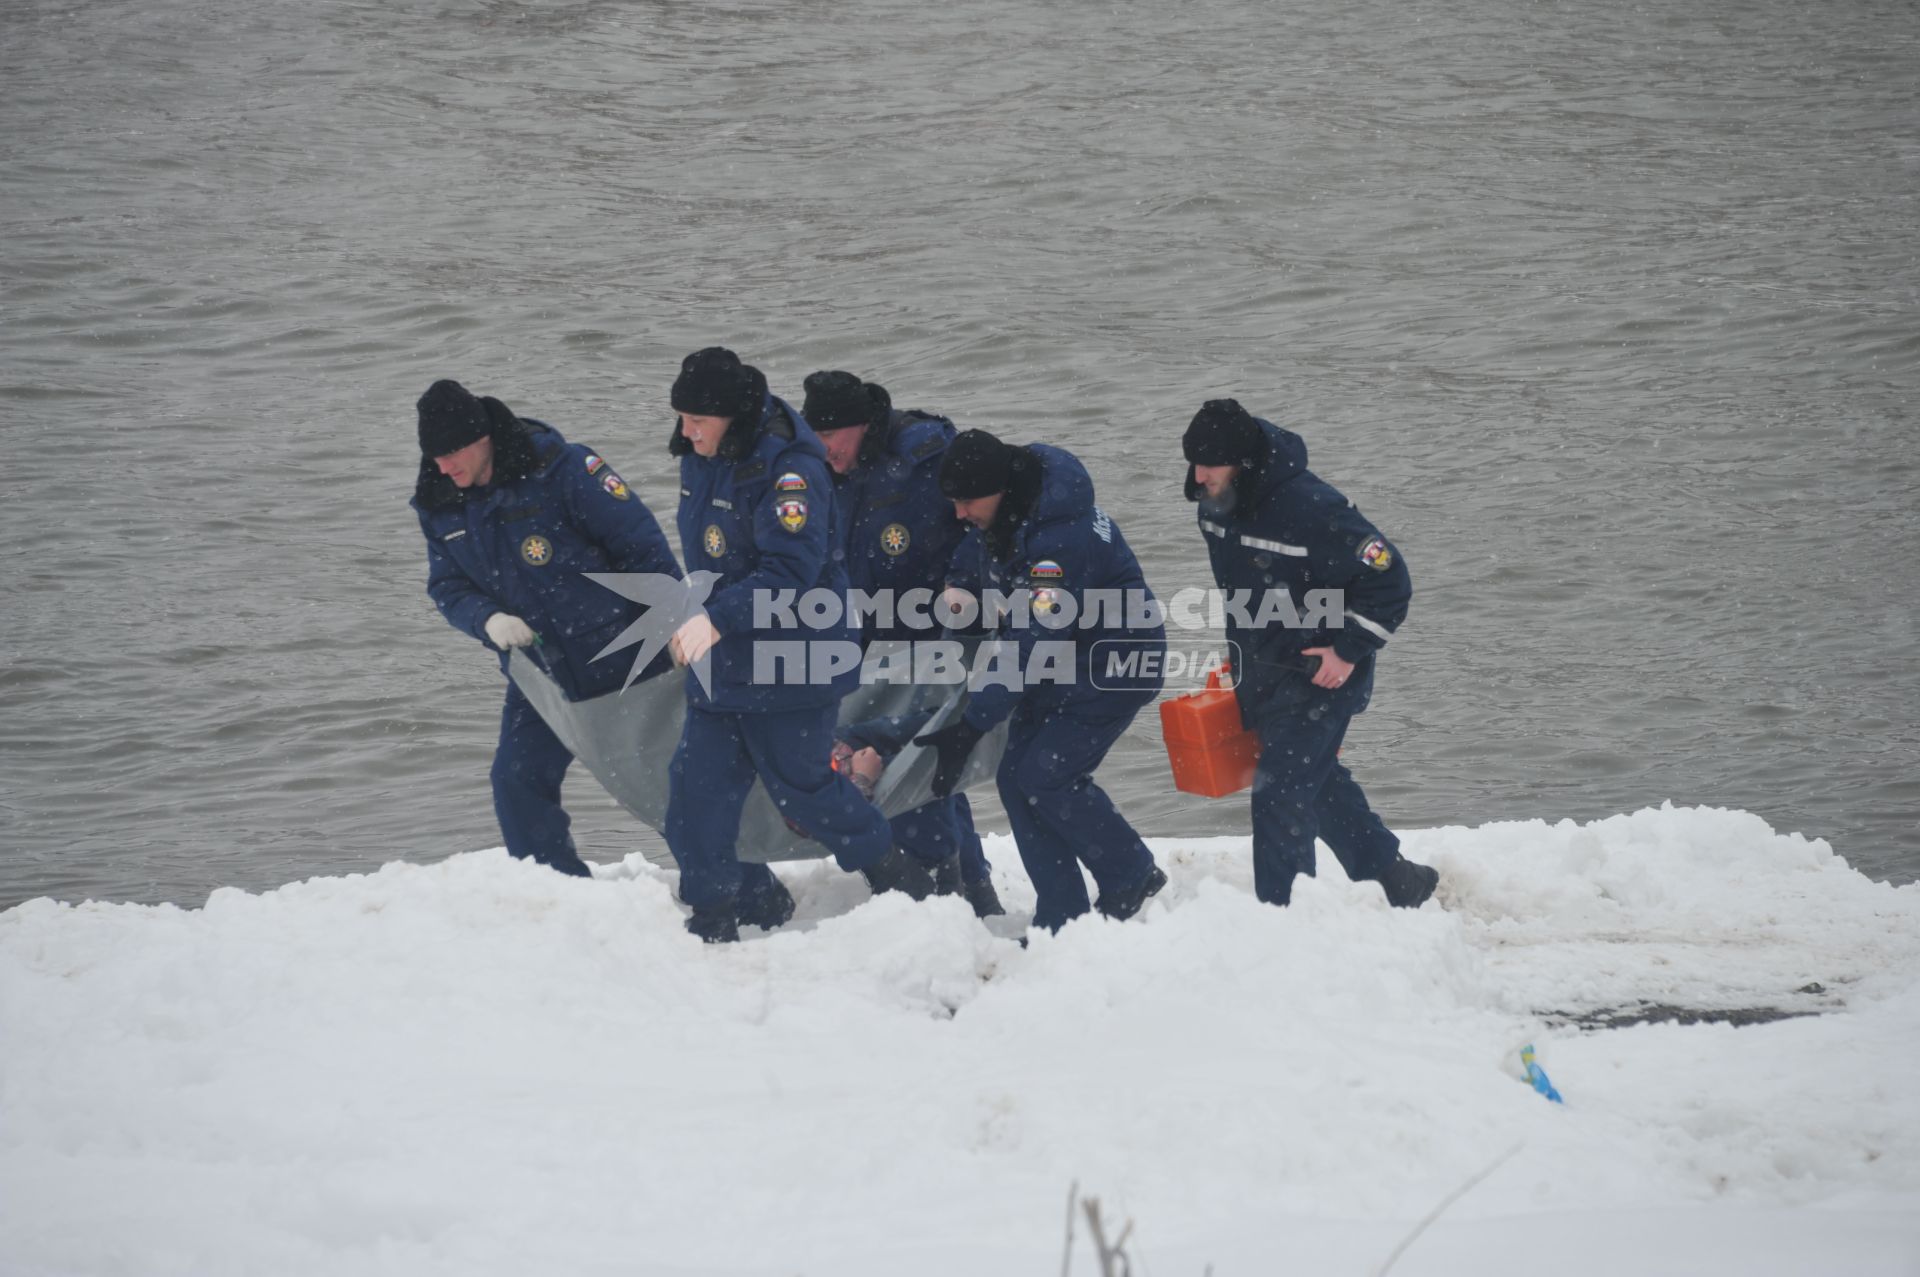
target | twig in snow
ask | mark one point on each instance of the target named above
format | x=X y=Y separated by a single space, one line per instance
x=1445 y=1202
x=1066 y=1259
x=1109 y=1254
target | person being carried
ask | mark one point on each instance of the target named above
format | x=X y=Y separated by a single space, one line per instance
x=1037 y=538
x=513 y=514
x=1271 y=526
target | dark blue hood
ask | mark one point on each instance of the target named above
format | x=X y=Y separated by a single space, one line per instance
x=1066 y=489
x=1047 y=485
x=1286 y=458
x=783 y=430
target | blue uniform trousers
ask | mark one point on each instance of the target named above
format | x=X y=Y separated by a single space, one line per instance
x=1061 y=819
x=791 y=753
x=1301 y=790
x=528 y=765
x=943 y=828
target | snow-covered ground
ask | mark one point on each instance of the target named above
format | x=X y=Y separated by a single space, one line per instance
x=481 y=1067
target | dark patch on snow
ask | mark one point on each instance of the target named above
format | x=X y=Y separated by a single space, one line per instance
x=1662 y=1013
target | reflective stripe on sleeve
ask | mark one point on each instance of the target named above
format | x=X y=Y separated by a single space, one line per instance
x=1374 y=628
x=1278 y=547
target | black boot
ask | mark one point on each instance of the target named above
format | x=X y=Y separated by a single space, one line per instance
x=769 y=908
x=715 y=926
x=897 y=871
x=1121 y=905
x=1407 y=883
x=946 y=877
x=984 y=899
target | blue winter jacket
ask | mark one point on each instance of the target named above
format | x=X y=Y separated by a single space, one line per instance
x=762 y=515
x=900 y=530
x=519 y=545
x=1055 y=541
x=1289 y=533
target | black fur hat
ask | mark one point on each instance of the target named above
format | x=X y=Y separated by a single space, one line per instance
x=977 y=465
x=513 y=452
x=450 y=419
x=714 y=383
x=1222 y=434
x=837 y=400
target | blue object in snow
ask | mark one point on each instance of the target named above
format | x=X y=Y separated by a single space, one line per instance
x=1538 y=1075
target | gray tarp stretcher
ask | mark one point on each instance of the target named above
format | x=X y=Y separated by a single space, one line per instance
x=626 y=739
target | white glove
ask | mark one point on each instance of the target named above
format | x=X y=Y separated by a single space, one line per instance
x=693 y=640
x=505 y=631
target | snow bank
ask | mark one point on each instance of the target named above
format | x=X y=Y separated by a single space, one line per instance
x=483 y=1067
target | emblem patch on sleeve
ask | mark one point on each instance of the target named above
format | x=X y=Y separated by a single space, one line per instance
x=1046 y=601
x=615 y=486
x=1046 y=570
x=594 y=463
x=894 y=539
x=790 y=482
x=1376 y=555
x=715 y=542
x=537 y=550
x=792 y=513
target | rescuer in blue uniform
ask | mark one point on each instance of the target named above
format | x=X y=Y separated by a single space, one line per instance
x=757 y=509
x=900 y=535
x=1038 y=538
x=513 y=514
x=1277 y=533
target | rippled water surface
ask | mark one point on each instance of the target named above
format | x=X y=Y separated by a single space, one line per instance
x=1609 y=315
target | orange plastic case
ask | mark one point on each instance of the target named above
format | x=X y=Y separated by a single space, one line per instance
x=1211 y=753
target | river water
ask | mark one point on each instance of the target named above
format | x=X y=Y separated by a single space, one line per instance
x=1608 y=314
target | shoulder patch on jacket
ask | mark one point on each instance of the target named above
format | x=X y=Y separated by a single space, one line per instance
x=792 y=512
x=791 y=481
x=594 y=463
x=1375 y=553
